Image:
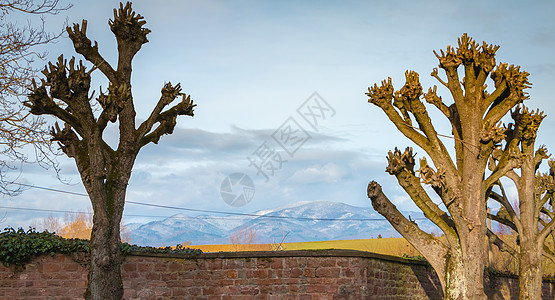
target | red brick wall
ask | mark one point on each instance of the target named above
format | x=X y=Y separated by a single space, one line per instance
x=330 y=274
x=58 y=277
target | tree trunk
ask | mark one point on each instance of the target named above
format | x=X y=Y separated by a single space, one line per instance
x=531 y=244
x=474 y=257
x=104 y=279
x=464 y=273
x=530 y=278
x=471 y=223
x=105 y=269
x=455 y=277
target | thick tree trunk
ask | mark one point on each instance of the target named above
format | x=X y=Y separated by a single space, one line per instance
x=474 y=257
x=104 y=279
x=460 y=267
x=454 y=275
x=471 y=223
x=531 y=247
x=530 y=278
x=464 y=273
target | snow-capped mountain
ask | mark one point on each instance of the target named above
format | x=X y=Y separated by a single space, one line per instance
x=299 y=222
x=175 y=230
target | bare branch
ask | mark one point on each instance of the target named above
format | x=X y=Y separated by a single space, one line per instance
x=18 y=53
x=29 y=6
x=425 y=243
x=501 y=245
x=548 y=253
x=432 y=98
x=82 y=45
x=517 y=82
x=512 y=220
x=130 y=34
x=407 y=101
x=503 y=221
x=547 y=230
x=450 y=62
x=408 y=98
x=543 y=200
x=382 y=97
x=401 y=165
x=166 y=119
x=169 y=94
x=501 y=170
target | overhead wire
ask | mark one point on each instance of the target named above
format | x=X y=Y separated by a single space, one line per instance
x=185 y=209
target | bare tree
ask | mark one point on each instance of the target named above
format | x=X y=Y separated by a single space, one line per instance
x=17 y=54
x=460 y=181
x=51 y=224
x=105 y=171
x=242 y=236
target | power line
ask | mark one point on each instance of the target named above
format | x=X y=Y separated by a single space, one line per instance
x=88 y=213
x=50 y=189
x=250 y=215
x=174 y=217
x=193 y=209
x=198 y=217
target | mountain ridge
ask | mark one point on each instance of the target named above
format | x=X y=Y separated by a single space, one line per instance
x=298 y=222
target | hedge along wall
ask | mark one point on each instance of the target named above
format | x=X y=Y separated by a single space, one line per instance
x=326 y=274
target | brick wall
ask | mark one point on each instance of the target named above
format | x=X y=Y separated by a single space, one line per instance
x=58 y=277
x=327 y=274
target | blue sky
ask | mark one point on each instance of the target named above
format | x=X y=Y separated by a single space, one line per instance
x=249 y=65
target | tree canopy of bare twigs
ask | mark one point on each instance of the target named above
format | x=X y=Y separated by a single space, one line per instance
x=18 y=54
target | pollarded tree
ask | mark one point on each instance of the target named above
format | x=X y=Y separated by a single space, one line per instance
x=460 y=181
x=533 y=220
x=104 y=171
x=545 y=188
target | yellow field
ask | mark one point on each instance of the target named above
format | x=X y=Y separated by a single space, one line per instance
x=390 y=246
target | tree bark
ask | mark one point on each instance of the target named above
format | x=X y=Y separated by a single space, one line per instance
x=108 y=199
x=531 y=244
x=472 y=228
x=456 y=266
x=473 y=265
x=455 y=275
x=530 y=270
x=105 y=269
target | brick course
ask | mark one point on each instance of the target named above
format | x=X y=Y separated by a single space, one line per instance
x=326 y=274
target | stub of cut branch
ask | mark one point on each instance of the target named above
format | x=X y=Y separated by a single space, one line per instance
x=381 y=96
x=398 y=161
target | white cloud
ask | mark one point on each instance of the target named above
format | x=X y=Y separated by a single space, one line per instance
x=328 y=173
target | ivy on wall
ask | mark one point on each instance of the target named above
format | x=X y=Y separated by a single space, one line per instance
x=18 y=247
